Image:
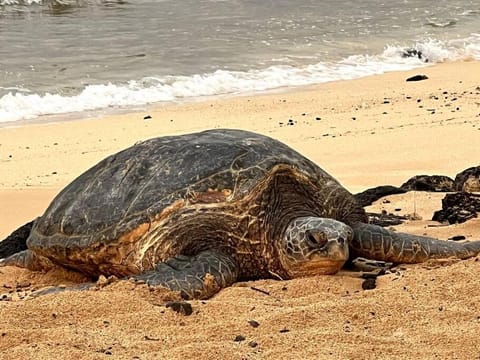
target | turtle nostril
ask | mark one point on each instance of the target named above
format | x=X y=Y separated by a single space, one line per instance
x=341 y=240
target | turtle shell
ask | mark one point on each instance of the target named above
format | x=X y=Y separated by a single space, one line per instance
x=134 y=186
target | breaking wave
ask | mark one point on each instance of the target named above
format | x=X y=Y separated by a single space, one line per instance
x=20 y=103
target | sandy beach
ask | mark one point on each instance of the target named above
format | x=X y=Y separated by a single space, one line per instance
x=371 y=131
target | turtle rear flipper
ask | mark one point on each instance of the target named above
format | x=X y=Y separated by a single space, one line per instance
x=16 y=241
x=195 y=277
x=378 y=243
x=28 y=259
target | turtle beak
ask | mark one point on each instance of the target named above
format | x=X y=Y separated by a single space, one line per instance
x=335 y=249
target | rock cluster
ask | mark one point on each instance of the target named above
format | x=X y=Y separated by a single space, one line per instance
x=457 y=207
x=468 y=180
x=369 y=196
x=434 y=183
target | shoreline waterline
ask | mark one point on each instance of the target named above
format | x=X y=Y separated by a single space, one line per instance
x=149 y=107
x=20 y=105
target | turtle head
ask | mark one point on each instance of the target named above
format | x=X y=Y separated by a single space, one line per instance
x=314 y=246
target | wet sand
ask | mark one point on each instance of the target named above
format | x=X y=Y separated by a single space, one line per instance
x=372 y=131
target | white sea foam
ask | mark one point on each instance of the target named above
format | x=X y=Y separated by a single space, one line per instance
x=20 y=2
x=16 y=105
x=44 y=2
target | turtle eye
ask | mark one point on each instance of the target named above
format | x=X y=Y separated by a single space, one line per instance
x=316 y=239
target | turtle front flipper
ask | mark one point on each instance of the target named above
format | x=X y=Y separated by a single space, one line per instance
x=378 y=243
x=196 y=277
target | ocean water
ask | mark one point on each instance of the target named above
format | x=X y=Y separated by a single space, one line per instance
x=64 y=56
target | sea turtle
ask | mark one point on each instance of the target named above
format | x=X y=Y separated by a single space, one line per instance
x=195 y=213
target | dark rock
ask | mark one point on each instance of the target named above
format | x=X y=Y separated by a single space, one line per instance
x=458 y=208
x=413 y=53
x=369 y=284
x=457 y=238
x=468 y=180
x=16 y=241
x=368 y=196
x=417 y=78
x=435 y=183
x=253 y=344
x=239 y=338
x=5 y=297
x=254 y=323
x=147 y=117
x=181 y=307
x=284 y=330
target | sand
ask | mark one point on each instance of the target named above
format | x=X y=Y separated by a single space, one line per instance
x=367 y=132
